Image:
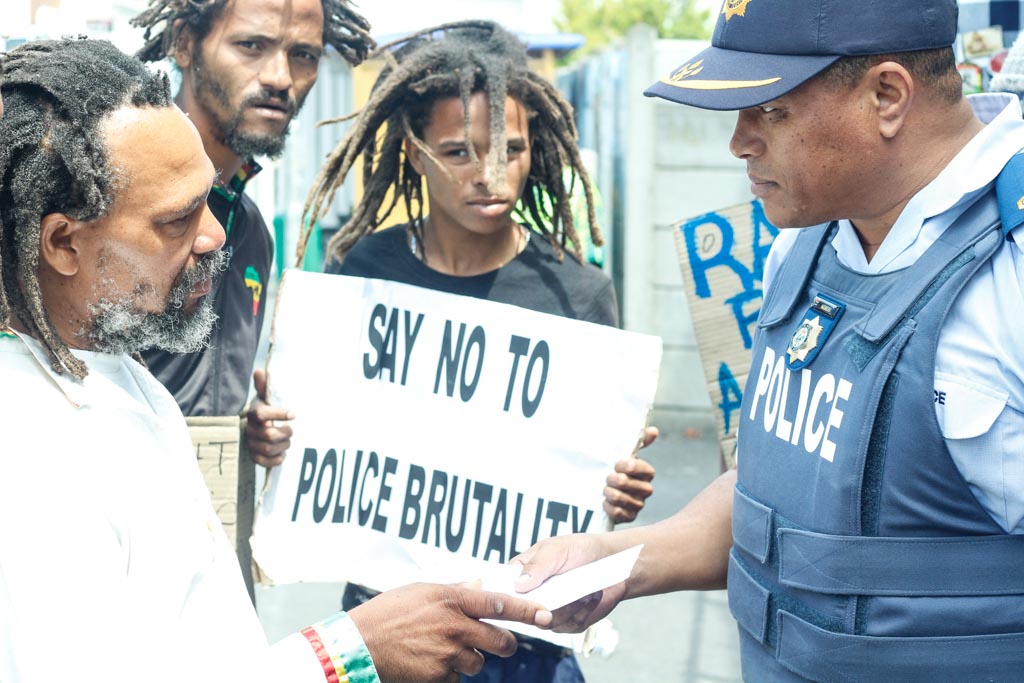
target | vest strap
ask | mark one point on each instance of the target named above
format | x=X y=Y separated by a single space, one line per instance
x=1010 y=192
x=866 y=565
x=821 y=655
x=792 y=277
x=974 y=234
x=813 y=646
x=752 y=525
x=754 y=605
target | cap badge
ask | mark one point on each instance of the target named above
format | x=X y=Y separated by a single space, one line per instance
x=734 y=8
x=687 y=70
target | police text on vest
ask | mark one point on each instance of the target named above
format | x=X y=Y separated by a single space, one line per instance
x=818 y=411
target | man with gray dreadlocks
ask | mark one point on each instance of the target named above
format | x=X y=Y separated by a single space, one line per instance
x=246 y=67
x=113 y=564
x=464 y=113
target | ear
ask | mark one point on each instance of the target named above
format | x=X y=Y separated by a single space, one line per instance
x=184 y=44
x=60 y=243
x=892 y=95
x=415 y=156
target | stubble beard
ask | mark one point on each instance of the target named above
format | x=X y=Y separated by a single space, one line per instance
x=118 y=324
x=214 y=98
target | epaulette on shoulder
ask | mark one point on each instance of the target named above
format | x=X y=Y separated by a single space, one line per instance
x=1010 y=193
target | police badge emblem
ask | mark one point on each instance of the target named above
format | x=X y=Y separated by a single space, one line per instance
x=805 y=339
x=813 y=330
x=734 y=8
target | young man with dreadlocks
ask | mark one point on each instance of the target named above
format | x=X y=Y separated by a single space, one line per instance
x=113 y=564
x=463 y=113
x=246 y=67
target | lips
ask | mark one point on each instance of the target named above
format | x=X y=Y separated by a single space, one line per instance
x=759 y=187
x=275 y=109
x=201 y=288
x=489 y=207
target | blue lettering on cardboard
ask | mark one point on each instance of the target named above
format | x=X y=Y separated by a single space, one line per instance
x=711 y=243
x=732 y=395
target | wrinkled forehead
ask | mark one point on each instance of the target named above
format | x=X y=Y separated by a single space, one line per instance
x=278 y=19
x=155 y=153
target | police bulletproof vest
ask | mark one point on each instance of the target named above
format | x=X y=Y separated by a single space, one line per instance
x=860 y=553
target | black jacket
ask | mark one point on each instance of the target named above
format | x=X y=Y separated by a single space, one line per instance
x=215 y=381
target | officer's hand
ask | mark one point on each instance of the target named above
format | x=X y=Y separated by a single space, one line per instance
x=423 y=633
x=560 y=554
x=265 y=436
x=629 y=486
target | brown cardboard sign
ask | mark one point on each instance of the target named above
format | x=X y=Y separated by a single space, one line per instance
x=722 y=256
x=230 y=476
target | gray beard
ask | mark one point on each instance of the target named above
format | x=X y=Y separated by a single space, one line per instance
x=118 y=325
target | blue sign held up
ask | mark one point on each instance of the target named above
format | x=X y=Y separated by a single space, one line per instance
x=711 y=243
x=723 y=254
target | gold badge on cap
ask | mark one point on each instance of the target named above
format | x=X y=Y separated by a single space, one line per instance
x=734 y=8
x=687 y=70
x=805 y=339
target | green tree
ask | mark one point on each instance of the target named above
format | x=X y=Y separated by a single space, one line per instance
x=604 y=21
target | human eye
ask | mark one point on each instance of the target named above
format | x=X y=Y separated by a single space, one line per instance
x=248 y=45
x=178 y=226
x=770 y=112
x=307 y=56
x=457 y=153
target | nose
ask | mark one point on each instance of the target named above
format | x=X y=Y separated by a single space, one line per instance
x=482 y=175
x=276 y=73
x=746 y=142
x=210 y=236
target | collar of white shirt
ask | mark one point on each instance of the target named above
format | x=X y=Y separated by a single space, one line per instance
x=927 y=215
x=75 y=390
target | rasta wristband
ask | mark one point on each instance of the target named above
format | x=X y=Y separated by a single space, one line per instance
x=341 y=651
x=334 y=671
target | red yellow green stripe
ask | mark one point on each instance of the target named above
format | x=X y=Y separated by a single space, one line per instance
x=334 y=669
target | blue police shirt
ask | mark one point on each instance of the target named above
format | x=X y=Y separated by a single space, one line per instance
x=979 y=365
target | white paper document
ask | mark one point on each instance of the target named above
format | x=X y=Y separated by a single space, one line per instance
x=562 y=589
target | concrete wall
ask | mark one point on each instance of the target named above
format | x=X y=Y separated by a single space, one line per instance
x=659 y=163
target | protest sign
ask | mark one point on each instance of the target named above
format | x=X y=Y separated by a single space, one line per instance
x=435 y=432
x=722 y=255
x=230 y=477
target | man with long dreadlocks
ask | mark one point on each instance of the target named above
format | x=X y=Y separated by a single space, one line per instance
x=246 y=67
x=113 y=564
x=461 y=111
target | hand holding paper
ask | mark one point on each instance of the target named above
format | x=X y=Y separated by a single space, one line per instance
x=563 y=589
x=603 y=578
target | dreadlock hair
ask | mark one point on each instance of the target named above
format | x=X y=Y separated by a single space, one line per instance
x=52 y=159
x=344 y=29
x=454 y=60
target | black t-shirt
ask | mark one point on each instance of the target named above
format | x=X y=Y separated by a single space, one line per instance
x=535 y=279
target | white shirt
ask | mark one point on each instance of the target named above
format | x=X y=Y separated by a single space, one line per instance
x=979 y=364
x=113 y=564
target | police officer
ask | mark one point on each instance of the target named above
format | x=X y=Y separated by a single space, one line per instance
x=872 y=530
